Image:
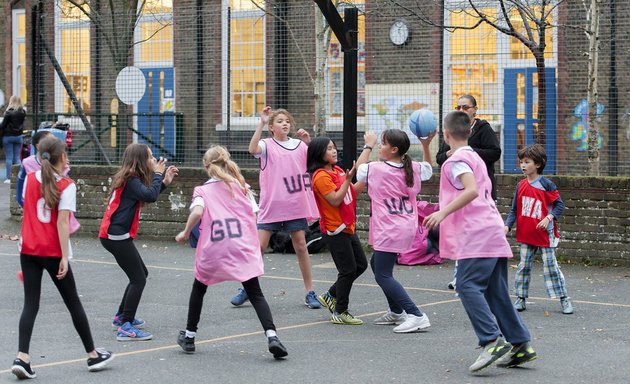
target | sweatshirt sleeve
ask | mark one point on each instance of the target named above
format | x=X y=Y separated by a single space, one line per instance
x=137 y=190
x=487 y=145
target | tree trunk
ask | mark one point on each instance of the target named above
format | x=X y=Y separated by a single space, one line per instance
x=542 y=98
x=593 y=95
x=321 y=90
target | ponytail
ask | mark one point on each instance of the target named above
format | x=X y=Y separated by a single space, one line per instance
x=51 y=153
x=408 y=167
x=220 y=166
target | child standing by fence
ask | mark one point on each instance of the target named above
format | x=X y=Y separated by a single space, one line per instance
x=48 y=200
x=228 y=247
x=393 y=185
x=536 y=208
x=472 y=233
x=336 y=200
x=286 y=194
x=140 y=180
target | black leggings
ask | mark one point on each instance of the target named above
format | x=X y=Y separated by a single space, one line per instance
x=350 y=260
x=254 y=293
x=129 y=260
x=33 y=268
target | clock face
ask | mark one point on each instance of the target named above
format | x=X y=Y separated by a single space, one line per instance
x=399 y=32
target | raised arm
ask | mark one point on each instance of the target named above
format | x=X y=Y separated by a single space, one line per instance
x=254 y=149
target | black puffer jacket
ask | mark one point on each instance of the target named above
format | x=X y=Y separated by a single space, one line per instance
x=484 y=141
x=13 y=122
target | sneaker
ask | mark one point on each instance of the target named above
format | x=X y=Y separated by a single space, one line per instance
x=345 y=318
x=240 y=298
x=99 y=362
x=567 y=307
x=8 y=181
x=391 y=318
x=519 y=304
x=452 y=284
x=328 y=301
x=128 y=332
x=137 y=323
x=276 y=348
x=187 y=343
x=311 y=300
x=22 y=370
x=413 y=323
x=517 y=356
x=491 y=353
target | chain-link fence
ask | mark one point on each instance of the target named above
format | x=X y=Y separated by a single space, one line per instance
x=184 y=74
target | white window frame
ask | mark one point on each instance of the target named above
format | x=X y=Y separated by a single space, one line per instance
x=16 y=81
x=152 y=18
x=236 y=123
x=503 y=48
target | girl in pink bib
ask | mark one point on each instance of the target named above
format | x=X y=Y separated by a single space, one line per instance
x=392 y=186
x=286 y=193
x=228 y=247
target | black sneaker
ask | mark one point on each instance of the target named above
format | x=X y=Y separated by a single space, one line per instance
x=187 y=343
x=22 y=370
x=276 y=348
x=518 y=355
x=99 y=362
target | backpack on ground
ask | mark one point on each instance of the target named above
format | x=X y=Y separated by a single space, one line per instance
x=280 y=241
x=424 y=248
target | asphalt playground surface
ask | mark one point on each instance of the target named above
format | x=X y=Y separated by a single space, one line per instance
x=590 y=346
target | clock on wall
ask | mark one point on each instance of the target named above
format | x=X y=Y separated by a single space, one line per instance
x=399 y=32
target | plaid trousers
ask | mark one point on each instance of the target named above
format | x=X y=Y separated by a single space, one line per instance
x=554 y=279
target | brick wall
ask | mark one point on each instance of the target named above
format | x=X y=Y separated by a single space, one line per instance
x=594 y=228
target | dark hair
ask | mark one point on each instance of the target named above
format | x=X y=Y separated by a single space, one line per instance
x=315 y=155
x=457 y=123
x=38 y=136
x=470 y=98
x=537 y=153
x=51 y=151
x=399 y=139
x=135 y=162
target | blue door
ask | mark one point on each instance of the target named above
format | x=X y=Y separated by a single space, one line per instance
x=520 y=106
x=156 y=119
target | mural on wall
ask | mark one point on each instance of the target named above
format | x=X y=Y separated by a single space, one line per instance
x=579 y=130
x=390 y=105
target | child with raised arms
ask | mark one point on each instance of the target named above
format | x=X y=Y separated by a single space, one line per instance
x=140 y=180
x=393 y=185
x=49 y=198
x=471 y=232
x=286 y=195
x=536 y=208
x=228 y=247
x=336 y=200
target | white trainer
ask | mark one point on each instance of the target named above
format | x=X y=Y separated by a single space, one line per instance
x=413 y=323
x=391 y=318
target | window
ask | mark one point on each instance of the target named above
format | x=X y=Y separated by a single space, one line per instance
x=335 y=67
x=19 y=55
x=247 y=59
x=518 y=49
x=73 y=49
x=154 y=35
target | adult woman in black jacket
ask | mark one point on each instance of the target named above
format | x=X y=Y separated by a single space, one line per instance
x=11 y=129
x=482 y=139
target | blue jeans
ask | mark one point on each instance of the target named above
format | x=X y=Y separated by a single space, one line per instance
x=12 y=148
x=382 y=264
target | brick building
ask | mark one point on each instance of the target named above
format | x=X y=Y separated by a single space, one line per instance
x=210 y=66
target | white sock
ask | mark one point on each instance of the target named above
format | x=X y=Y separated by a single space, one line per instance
x=191 y=334
x=270 y=333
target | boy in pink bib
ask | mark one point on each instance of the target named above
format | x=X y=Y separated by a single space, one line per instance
x=471 y=232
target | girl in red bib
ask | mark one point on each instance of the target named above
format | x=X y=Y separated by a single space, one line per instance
x=228 y=247
x=336 y=200
x=49 y=198
x=140 y=180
